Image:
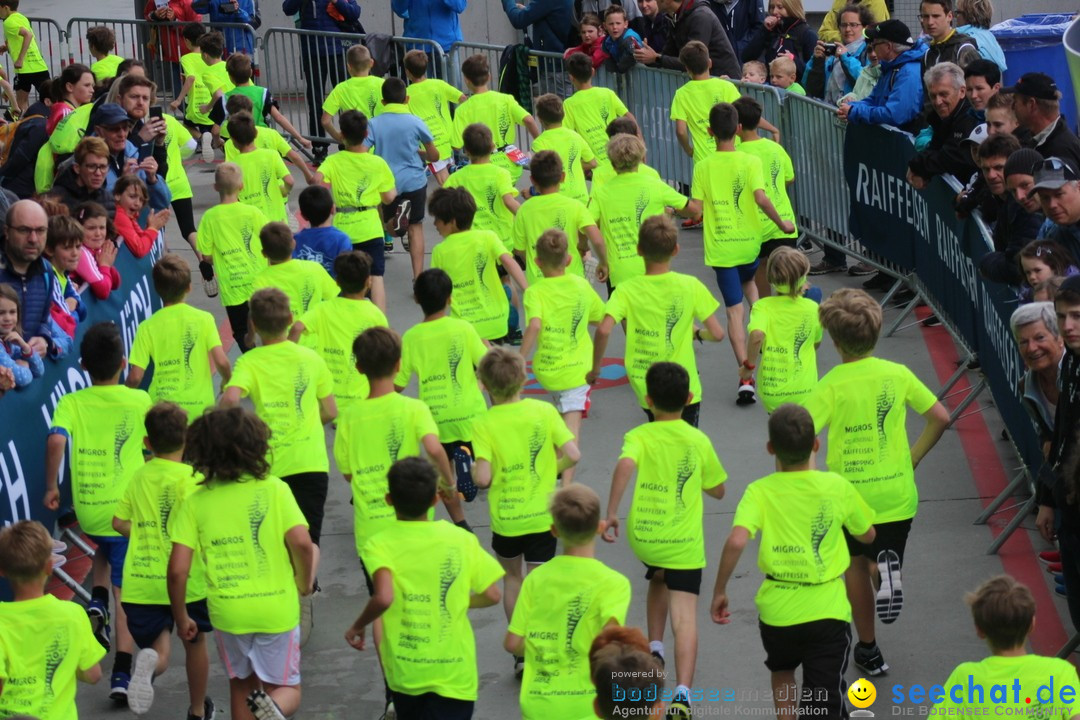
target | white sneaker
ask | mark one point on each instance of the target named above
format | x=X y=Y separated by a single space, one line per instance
x=307 y=619
x=207 y=147
x=140 y=694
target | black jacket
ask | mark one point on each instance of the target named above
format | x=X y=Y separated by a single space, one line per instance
x=17 y=174
x=945 y=154
x=1053 y=489
x=959 y=48
x=789 y=35
x=655 y=31
x=696 y=21
x=67 y=190
x=1014 y=228
x=740 y=23
x=1061 y=143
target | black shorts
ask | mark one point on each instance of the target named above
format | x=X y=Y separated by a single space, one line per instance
x=890 y=536
x=430 y=705
x=690 y=413
x=309 y=489
x=26 y=81
x=502 y=271
x=688 y=581
x=418 y=200
x=147 y=622
x=217 y=112
x=536 y=547
x=200 y=127
x=821 y=647
x=376 y=250
x=768 y=246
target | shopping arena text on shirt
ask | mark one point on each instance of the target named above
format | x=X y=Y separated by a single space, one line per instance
x=973 y=693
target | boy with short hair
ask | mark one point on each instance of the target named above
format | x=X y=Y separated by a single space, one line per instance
x=692 y=102
x=430 y=100
x=470 y=257
x=659 y=308
x=782 y=72
x=625 y=125
x=620 y=41
x=804 y=610
x=320 y=241
x=48 y=642
x=431 y=570
x=489 y=184
x=305 y=282
x=104 y=425
x=1000 y=117
x=557 y=682
x=178 y=339
x=215 y=79
x=576 y=154
x=265 y=137
x=19 y=41
x=674 y=464
x=863 y=402
x=192 y=69
x=229 y=231
x=146 y=515
x=101 y=41
x=241 y=71
x=755 y=71
x=360 y=92
x=590 y=109
x=267 y=181
x=731 y=187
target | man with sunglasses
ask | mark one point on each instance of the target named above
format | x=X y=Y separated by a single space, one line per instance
x=897 y=98
x=27 y=272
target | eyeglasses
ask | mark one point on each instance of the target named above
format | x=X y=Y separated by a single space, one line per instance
x=850 y=26
x=97 y=169
x=27 y=230
x=1055 y=165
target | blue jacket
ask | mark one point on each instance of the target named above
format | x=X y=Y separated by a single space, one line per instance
x=740 y=23
x=236 y=39
x=160 y=196
x=988 y=44
x=35 y=291
x=549 y=22
x=431 y=20
x=897 y=98
x=852 y=63
x=313 y=17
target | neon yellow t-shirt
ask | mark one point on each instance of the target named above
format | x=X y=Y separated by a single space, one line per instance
x=230 y=234
x=502 y=114
x=105 y=68
x=660 y=311
x=778 y=172
x=443 y=354
x=603 y=173
x=263 y=171
x=306 y=282
x=176 y=135
x=541 y=213
x=563 y=606
x=565 y=305
x=788 y=370
x=286 y=383
x=519 y=439
x=178 y=340
x=725 y=182
x=574 y=151
x=488 y=183
x=692 y=103
x=675 y=463
x=266 y=138
x=192 y=65
x=471 y=258
x=619 y=206
x=43 y=643
x=356 y=93
x=863 y=403
x=428 y=644
x=430 y=101
x=803 y=553
x=32 y=62
x=215 y=78
x=372 y=435
x=105 y=431
x=330 y=328
x=239 y=529
x=358 y=181
x=70 y=130
x=1007 y=683
x=156 y=489
x=589 y=112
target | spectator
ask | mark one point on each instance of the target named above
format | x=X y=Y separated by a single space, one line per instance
x=83 y=179
x=740 y=20
x=1001 y=120
x=7 y=380
x=693 y=21
x=784 y=32
x=26 y=271
x=653 y=26
x=112 y=124
x=435 y=20
x=983 y=81
x=548 y=22
x=237 y=40
x=897 y=97
x=831 y=25
x=1020 y=180
x=135 y=93
x=620 y=41
x=973 y=19
x=599 y=7
x=166 y=40
x=591 y=29
x=1058 y=185
x=17 y=174
x=73 y=88
x=1035 y=331
x=1015 y=225
x=833 y=70
x=952 y=122
x=946 y=44
x=1037 y=105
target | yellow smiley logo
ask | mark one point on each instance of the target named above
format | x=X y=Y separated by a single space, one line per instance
x=862 y=693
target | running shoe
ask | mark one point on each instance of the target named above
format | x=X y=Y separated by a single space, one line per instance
x=263 y=707
x=99 y=621
x=747 y=396
x=209 y=711
x=207 y=147
x=519 y=667
x=399 y=224
x=870 y=660
x=210 y=283
x=679 y=709
x=890 y=596
x=463 y=471
x=1050 y=556
x=118 y=687
x=140 y=690
x=691 y=223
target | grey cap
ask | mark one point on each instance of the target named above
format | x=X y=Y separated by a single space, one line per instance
x=1053 y=173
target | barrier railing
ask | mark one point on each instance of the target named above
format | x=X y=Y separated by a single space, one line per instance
x=51 y=40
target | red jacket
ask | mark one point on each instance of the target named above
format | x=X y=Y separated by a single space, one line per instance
x=169 y=42
x=595 y=52
x=138 y=240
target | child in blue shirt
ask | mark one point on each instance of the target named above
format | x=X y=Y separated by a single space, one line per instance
x=322 y=242
x=620 y=41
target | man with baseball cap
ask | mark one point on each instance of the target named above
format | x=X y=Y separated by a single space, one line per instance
x=111 y=123
x=897 y=98
x=1037 y=105
x=1057 y=184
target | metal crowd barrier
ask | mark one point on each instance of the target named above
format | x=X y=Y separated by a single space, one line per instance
x=51 y=40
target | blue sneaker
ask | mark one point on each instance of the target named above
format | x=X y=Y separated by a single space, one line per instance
x=463 y=470
x=99 y=621
x=119 y=687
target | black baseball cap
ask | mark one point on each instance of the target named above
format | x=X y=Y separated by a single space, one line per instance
x=891 y=30
x=1035 y=85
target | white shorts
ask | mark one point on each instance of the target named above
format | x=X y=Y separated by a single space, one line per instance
x=438 y=165
x=572 y=400
x=273 y=657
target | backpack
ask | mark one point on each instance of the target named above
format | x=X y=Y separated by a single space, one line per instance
x=7 y=135
x=514 y=76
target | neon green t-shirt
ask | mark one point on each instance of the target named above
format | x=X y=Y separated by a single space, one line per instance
x=263 y=171
x=541 y=213
x=589 y=112
x=70 y=130
x=306 y=282
x=563 y=606
x=471 y=258
x=192 y=65
x=565 y=305
x=372 y=435
x=1007 y=683
x=796 y=89
x=519 y=439
x=33 y=62
x=178 y=340
x=105 y=68
x=574 y=151
x=725 y=182
x=239 y=529
x=443 y=354
x=356 y=93
x=660 y=311
x=330 y=328
x=803 y=553
x=675 y=463
x=692 y=103
x=176 y=135
x=230 y=234
x=863 y=403
x=603 y=173
x=286 y=382
x=266 y=138
x=488 y=184
x=215 y=78
x=788 y=370
x=105 y=431
x=428 y=644
x=156 y=489
x=502 y=114
x=430 y=101
x=619 y=206
x=358 y=181
x=778 y=172
x=43 y=643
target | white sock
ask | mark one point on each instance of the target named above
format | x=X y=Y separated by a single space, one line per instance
x=657 y=647
x=682 y=690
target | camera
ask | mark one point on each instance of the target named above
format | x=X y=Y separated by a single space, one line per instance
x=830 y=48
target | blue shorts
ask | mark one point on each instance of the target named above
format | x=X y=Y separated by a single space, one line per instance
x=377 y=252
x=147 y=622
x=730 y=281
x=115 y=550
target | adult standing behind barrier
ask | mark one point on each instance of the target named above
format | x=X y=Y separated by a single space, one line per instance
x=17 y=173
x=1037 y=106
x=897 y=98
x=831 y=30
x=321 y=59
x=946 y=44
x=112 y=124
x=169 y=43
x=435 y=20
x=784 y=32
x=653 y=26
x=232 y=11
x=740 y=20
x=27 y=272
x=973 y=19
x=832 y=71
x=548 y=22
x=1035 y=330
x=952 y=122
x=135 y=93
x=694 y=20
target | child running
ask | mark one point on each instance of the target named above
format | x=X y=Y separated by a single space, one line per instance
x=267 y=182
x=590 y=109
x=360 y=92
x=692 y=101
x=321 y=241
x=576 y=154
x=430 y=100
x=306 y=282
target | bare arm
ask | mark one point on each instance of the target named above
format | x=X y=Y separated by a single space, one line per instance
x=766 y=206
x=770 y=128
x=596 y=241
x=177 y=577
x=713 y=332
x=569 y=454
x=189 y=82
x=379 y=603
x=122 y=526
x=753 y=349
x=90 y=675
x=624 y=472
x=327 y=409
x=288 y=126
x=55 y=447
x=682 y=134
x=295 y=159
x=431 y=152
x=481 y=473
x=528 y=122
x=296 y=331
x=600 y=341
x=221 y=362
x=135 y=376
x=937 y=418
x=27 y=38
x=511 y=203
x=487 y=598
x=388 y=196
x=513 y=270
x=305 y=558
x=327 y=121
x=514 y=644
x=532 y=332
x=868 y=536
x=691 y=209
x=231 y=397
x=733 y=549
